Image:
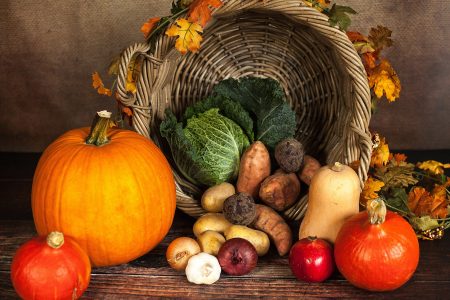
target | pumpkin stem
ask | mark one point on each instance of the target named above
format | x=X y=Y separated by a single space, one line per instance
x=99 y=130
x=377 y=211
x=55 y=239
x=337 y=167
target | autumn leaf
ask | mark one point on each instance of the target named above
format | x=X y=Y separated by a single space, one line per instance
x=97 y=83
x=423 y=203
x=397 y=176
x=384 y=80
x=439 y=208
x=200 y=11
x=420 y=201
x=134 y=68
x=398 y=200
x=320 y=5
x=380 y=155
x=148 y=26
x=371 y=187
x=423 y=223
x=369 y=60
x=338 y=15
x=397 y=159
x=188 y=33
x=355 y=36
x=432 y=166
x=380 y=37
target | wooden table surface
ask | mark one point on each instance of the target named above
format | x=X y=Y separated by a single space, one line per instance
x=150 y=276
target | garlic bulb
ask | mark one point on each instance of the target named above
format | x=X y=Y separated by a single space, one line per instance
x=203 y=268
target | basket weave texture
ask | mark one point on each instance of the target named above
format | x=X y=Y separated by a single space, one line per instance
x=316 y=64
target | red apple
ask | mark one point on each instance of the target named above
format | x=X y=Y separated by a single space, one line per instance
x=311 y=259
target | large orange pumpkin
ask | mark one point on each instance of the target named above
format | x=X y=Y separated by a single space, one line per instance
x=110 y=189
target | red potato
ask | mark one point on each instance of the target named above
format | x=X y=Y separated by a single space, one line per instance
x=310 y=168
x=254 y=168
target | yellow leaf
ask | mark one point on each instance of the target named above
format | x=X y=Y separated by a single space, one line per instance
x=433 y=166
x=97 y=83
x=200 y=12
x=371 y=187
x=320 y=5
x=148 y=26
x=384 y=80
x=380 y=155
x=188 y=33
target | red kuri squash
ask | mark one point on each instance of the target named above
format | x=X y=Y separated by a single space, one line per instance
x=52 y=267
x=376 y=249
x=111 y=189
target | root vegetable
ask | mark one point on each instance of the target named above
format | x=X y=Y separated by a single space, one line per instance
x=257 y=238
x=280 y=190
x=213 y=198
x=310 y=168
x=211 y=221
x=203 y=268
x=239 y=209
x=289 y=155
x=269 y=221
x=210 y=242
x=179 y=252
x=254 y=168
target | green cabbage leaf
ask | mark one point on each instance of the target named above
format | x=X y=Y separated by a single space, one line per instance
x=208 y=148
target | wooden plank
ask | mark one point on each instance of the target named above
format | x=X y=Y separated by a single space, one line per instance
x=151 y=276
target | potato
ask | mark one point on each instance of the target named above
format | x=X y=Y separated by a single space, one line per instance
x=310 y=168
x=257 y=238
x=253 y=169
x=280 y=190
x=210 y=242
x=211 y=221
x=213 y=198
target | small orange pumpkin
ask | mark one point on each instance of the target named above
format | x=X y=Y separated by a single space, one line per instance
x=110 y=189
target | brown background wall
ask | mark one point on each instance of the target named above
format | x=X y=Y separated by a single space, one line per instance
x=48 y=50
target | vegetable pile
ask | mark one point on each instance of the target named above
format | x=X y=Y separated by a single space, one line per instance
x=237 y=143
x=211 y=136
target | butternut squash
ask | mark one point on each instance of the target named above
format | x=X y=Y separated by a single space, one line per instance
x=333 y=198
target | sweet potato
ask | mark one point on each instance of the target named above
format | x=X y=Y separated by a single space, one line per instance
x=269 y=221
x=280 y=190
x=310 y=167
x=254 y=168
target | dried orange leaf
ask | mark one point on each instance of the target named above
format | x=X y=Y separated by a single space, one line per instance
x=433 y=166
x=127 y=111
x=420 y=201
x=380 y=37
x=200 y=10
x=423 y=203
x=188 y=33
x=439 y=208
x=148 y=26
x=371 y=187
x=384 y=80
x=380 y=155
x=97 y=83
x=369 y=60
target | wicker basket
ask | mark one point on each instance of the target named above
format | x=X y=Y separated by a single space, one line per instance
x=321 y=73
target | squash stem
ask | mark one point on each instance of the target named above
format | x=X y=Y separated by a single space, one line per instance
x=337 y=167
x=377 y=211
x=99 y=130
x=55 y=239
